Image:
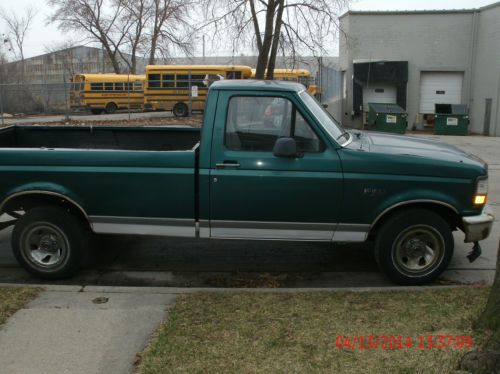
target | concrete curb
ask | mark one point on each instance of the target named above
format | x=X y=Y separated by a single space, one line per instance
x=182 y=290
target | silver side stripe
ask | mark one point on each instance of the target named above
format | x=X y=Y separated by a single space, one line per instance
x=348 y=232
x=143 y=226
x=295 y=231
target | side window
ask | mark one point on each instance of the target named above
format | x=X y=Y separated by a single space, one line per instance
x=254 y=123
x=96 y=86
x=154 y=80
x=108 y=86
x=168 y=80
x=119 y=86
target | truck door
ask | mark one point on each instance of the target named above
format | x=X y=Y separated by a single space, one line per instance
x=255 y=194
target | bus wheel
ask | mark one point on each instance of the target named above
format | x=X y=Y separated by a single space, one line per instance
x=180 y=110
x=96 y=111
x=110 y=108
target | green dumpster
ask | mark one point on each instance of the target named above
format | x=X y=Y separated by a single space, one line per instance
x=387 y=117
x=451 y=119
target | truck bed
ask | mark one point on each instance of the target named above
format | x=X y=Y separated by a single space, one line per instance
x=87 y=137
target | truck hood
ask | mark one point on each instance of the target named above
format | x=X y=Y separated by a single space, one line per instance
x=406 y=145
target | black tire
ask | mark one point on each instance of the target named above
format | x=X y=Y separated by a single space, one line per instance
x=414 y=247
x=111 y=108
x=96 y=111
x=50 y=242
x=180 y=110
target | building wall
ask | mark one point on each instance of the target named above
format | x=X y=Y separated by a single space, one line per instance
x=486 y=81
x=458 y=41
x=429 y=42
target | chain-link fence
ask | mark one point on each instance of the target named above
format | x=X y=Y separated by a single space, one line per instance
x=49 y=98
x=18 y=100
x=329 y=81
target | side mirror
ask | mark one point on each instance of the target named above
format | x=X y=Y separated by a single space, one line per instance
x=285 y=147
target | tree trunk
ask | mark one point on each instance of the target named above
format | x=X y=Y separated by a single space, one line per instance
x=152 y=52
x=263 y=58
x=487 y=361
x=276 y=40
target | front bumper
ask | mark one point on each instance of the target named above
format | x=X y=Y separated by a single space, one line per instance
x=478 y=227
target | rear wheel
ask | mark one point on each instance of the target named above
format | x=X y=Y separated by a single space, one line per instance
x=111 y=108
x=414 y=246
x=180 y=110
x=49 y=242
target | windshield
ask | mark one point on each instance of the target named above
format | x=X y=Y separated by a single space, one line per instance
x=333 y=128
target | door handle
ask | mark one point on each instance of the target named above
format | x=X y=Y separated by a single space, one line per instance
x=228 y=165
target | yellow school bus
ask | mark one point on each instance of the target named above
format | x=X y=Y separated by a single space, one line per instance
x=181 y=87
x=295 y=75
x=107 y=92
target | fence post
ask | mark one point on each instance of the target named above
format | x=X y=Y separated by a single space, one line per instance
x=66 y=115
x=128 y=95
x=1 y=105
x=190 y=95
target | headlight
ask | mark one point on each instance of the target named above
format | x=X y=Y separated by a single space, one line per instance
x=481 y=193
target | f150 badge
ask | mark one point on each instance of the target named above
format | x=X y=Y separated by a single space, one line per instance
x=372 y=191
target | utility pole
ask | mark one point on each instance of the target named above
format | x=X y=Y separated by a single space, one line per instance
x=203 y=38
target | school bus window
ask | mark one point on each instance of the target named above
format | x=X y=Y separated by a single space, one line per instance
x=154 y=80
x=167 y=81
x=137 y=86
x=198 y=80
x=182 y=80
x=108 y=86
x=119 y=86
x=233 y=75
x=96 y=86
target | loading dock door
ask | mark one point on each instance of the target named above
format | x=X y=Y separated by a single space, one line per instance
x=379 y=93
x=439 y=88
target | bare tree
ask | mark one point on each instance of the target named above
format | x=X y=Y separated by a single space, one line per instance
x=135 y=19
x=17 y=27
x=127 y=26
x=99 y=21
x=287 y=25
x=168 y=21
x=488 y=359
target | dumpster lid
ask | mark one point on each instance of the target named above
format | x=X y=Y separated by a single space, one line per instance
x=458 y=109
x=386 y=108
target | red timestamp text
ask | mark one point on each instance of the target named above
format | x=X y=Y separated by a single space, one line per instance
x=404 y=342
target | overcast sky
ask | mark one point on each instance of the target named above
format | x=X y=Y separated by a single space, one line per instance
x=43 y=34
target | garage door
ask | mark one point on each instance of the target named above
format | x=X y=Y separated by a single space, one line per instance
x=440 y=88
x=378 y=93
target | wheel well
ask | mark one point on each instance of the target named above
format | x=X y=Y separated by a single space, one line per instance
x=29 y=201
x=447 y=213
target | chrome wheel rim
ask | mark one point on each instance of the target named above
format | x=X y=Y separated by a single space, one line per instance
x=44 y=245
x=418 y=250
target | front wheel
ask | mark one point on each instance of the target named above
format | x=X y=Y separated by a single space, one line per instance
x=414 y=247
x=49 y=242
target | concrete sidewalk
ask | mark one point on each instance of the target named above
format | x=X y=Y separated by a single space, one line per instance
x=69 y=331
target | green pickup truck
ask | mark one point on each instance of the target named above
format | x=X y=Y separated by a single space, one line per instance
x=269 y=163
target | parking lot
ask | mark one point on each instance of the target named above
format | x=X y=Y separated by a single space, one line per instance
x=127 y=260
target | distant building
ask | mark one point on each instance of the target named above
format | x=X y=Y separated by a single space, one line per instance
x=421 y=58
x=60 y=66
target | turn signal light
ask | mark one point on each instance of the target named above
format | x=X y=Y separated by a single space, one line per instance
x=479 y=199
